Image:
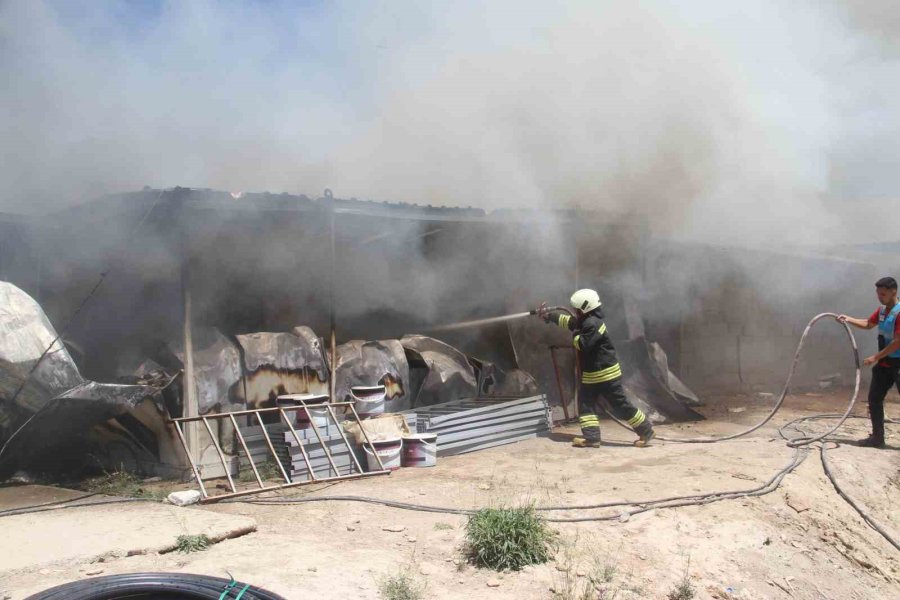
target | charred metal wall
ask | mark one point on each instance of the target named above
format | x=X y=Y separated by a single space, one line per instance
x=263 y=263
x=731 y=319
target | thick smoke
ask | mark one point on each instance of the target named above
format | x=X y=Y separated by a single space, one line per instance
x=711 y=121
x=714 y=122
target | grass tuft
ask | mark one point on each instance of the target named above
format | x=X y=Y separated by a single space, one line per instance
x=267 y=471
x=684 y=589
x=192 y=543
x=442 y=526
x=508 y=538
x=121 y=483
x=401 y=586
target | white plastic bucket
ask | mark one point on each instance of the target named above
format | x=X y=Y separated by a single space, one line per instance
x=419 y=450
x=388 y=451
x=319 y=416
x=369 y=400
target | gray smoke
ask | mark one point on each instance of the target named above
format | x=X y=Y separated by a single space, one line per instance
x=712 y=121
x=716 y=123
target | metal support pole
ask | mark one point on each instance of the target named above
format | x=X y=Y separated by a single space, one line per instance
x=287 y=478
x=189 y=396
x=315 y=428
x=215 y=442
x=331 y=382
x=562 y=397
x=366 y=435
x=240 y=437
x=346 y=440
x=285 y=486
x=312 y=475
x=190 y=460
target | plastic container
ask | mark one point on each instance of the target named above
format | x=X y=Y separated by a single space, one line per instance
x=419 y=450
x=389 y=452
x=319 y=415
x=369 y=400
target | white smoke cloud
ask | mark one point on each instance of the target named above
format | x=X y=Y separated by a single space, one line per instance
x=718 y=121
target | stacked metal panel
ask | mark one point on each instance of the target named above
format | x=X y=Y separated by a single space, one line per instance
x=289 y=454
x=479 y=423
x=259 y=449
x=315 y=452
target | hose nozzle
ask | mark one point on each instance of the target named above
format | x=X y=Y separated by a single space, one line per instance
x=543 y=309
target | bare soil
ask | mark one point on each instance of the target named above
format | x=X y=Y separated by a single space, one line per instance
x=802 y=541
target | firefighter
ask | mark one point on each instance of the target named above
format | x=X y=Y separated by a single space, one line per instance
x=886 y=360
x=601 y=375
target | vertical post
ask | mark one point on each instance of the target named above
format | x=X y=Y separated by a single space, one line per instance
x=562 y=396
x=265 y=433
x=240 y=437
x=322 y=441
x=331 y=383
x=189 y=396
x=222 y=458
x=190 y=460
x=309 y=468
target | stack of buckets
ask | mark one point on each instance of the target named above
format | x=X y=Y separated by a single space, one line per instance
x=412 y=450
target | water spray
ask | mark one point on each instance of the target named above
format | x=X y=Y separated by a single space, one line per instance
x=542 y=309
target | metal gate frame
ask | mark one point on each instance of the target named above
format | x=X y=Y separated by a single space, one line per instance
x=282 y=412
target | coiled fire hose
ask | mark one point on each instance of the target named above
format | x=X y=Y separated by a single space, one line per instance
x=156 y=586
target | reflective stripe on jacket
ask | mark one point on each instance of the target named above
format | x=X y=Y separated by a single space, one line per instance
x=596 y=353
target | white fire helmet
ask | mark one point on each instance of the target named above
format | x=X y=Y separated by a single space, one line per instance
x=585 y=300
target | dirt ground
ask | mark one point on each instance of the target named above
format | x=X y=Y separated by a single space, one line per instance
x=802 y=541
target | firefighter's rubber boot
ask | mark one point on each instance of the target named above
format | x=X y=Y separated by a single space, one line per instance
x=589 y=438
x=645 y=433
x=581 y=442
x=872 y=441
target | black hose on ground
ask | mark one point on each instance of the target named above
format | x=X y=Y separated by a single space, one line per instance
x=155 y=586
x=826 y=467
x=641 y=506
x=44 y=504
x=797 y=443
x=62 y=505
x=823 y=453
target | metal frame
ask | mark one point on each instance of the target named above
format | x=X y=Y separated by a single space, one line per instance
x=575 y=381
x=283 y=416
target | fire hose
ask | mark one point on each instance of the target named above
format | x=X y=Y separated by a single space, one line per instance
x=156 y=586
x=800 y=444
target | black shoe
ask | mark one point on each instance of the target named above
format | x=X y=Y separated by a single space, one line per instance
x=872 y=442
